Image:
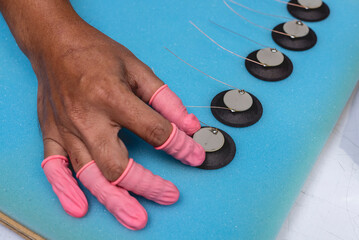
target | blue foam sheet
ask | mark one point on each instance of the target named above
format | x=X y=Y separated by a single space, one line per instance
x=248 y=199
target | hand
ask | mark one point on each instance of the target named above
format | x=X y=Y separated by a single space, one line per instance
x=89 y=88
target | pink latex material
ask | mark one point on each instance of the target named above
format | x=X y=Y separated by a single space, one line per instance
x=171 y=107
x=126 y=209
x=184 y=148
x=142 y=181
x=65 y=186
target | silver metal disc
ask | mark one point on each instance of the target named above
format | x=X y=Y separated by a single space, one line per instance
x=209 y=138
x=296 y=28
x=312 y=4
x=238 y=100
x=270 y=57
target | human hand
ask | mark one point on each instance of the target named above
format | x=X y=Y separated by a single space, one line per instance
x=89 y=87
x=87 y=92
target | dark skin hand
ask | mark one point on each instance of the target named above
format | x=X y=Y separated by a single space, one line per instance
x=89 y=86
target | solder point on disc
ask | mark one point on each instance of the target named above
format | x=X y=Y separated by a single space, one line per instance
x=209 y=138
x=219 y=146
x=300 y=38
x=238 y=100
x=316 y=10
x=278 y=65
x=271 y=57
x=236 y=118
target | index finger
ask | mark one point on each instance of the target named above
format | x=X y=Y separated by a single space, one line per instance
x=169 y=105
x=149 y=88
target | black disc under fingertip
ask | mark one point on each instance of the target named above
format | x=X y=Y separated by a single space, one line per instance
x=310 y=15
x=269 y=73
x=236 y=119
x=222 y=157
x=295 y=44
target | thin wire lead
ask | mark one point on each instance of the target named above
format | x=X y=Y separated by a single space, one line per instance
x=292 y=4
x=201 y=71
x=214 y=130
x=229 y=30
x=203 y=123
x=225 y=108
x=246 y=19
x=256 y=11
x=262 y=64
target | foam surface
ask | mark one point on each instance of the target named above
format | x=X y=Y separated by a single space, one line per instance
x=248 y=199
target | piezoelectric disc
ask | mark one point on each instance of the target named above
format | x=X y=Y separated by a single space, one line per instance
x=316 y=10
x=209 y=138
x=296 y=28
x=238 y=100
x=236 y=119
x=297 y=43
x=223 y=156
x=269 y=73
x=312 y=4
x=270 y=57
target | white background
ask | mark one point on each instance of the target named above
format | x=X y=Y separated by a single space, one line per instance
x=328 y=205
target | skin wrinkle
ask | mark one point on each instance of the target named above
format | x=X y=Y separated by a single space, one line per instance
x=131 y=81
x=52 y=140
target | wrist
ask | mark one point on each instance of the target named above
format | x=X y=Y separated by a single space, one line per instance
x=59 y=39
x=56 y=37
x=37 y=25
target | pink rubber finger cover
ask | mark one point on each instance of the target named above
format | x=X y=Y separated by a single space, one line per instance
x=126 y=209
x=142 y=181
x=184 y=148
x=65 y=186
x=171 y=107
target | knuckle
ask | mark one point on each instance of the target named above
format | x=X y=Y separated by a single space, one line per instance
x=64 y=131
x=75 y=113
x=156 y=134
x=112 y=170
x=77 y=117
x=103 y=92
x=111 y=161
x=101 y=143
x=107 y=91
x=74 y=152
x=132 y=81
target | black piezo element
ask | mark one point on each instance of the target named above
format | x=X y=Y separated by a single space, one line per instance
x=222 y=157
x=295 y=44
x=310 y=15
x=268 y=73
x=236 y=119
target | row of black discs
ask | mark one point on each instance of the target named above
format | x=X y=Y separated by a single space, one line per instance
x=238 y=108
